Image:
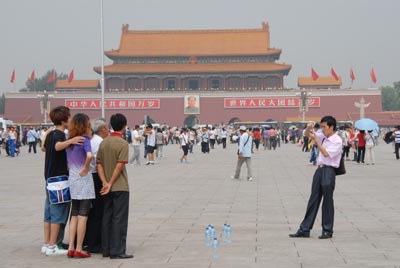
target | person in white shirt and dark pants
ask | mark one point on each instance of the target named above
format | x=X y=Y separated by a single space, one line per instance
x=244 y=153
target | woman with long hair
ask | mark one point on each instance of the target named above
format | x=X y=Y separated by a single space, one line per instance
x=80 y=183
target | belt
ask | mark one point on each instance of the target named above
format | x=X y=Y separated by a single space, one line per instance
x=323 y=165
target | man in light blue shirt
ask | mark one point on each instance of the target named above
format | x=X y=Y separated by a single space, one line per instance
x=244 y=153
x=32 y=138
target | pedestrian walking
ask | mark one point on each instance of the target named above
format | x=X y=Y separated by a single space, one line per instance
x=244 y=153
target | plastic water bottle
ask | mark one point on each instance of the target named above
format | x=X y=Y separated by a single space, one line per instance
x=224 y=232
x=215 y=248
x=208 y=237
x=228 y=233
x=212 y=232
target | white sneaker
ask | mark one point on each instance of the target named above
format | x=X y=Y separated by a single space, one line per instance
x=56 y=251
x=43 y=250
x=250 y=178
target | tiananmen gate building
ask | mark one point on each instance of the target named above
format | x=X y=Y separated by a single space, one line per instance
x=194 y=60
x=185 y=77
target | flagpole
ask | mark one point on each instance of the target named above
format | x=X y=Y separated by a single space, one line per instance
x=102 y=60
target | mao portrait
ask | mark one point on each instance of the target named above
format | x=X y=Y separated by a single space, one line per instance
x=192 y=104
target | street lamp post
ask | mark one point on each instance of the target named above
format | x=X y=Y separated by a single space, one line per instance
x=44 y=104
x=303 y=105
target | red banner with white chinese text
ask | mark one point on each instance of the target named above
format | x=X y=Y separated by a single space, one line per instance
x=135 y=104
x=276 y=102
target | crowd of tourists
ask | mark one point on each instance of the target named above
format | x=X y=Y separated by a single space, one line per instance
x=357 y=145
x=93 y=155
x=11 y=140
x=94 y=161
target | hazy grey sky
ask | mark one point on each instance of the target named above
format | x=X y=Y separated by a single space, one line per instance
x=65 y=35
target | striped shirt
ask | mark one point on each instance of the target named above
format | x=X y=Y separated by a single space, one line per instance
x=397 y=136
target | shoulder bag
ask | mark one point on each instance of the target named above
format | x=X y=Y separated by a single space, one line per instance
x=57 y=186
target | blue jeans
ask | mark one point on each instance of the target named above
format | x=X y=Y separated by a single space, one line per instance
x=11 y=145
x=314 y=154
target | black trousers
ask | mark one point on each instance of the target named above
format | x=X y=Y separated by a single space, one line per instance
x=95 y=219
x=360 y=154
x=32 y=144
x=223 y=142
x=305 y=144
x=204 y=147
x=396 y=149
x=257 y=143
x=323 y=186
x=346 y=151
x=115 y=223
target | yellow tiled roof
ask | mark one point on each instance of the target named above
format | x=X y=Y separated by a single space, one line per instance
x=84 y=84
x=194 y=42
x=321 y=81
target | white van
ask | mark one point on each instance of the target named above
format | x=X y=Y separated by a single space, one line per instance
x=4 y=123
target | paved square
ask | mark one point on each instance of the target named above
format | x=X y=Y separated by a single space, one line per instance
x=171 y=204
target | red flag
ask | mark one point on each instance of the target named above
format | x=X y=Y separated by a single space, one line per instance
x=373 y=76
x=352 y=76
x=71 y=76
x=12 y=79
x=334 y=74
x=52 y=77
x=32 y=77
x=314 y=74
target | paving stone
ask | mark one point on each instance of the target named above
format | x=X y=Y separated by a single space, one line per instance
x=172 y=203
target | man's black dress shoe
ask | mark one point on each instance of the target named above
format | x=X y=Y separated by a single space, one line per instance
x=300 y=233
x=122 y=256
x=106 y=255
x=325 y=236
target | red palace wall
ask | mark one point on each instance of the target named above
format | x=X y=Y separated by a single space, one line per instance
x=25 y=107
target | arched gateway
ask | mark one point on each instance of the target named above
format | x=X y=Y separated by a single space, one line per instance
x=190 y=121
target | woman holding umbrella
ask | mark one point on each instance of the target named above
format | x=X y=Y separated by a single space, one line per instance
x=363 y=125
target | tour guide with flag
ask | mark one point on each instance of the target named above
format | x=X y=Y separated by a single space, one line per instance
x=330 y=146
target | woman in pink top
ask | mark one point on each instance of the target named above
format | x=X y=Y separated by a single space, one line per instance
x=272 y=138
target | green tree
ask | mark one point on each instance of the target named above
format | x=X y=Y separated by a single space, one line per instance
x=40 y=84
x=391 y=97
